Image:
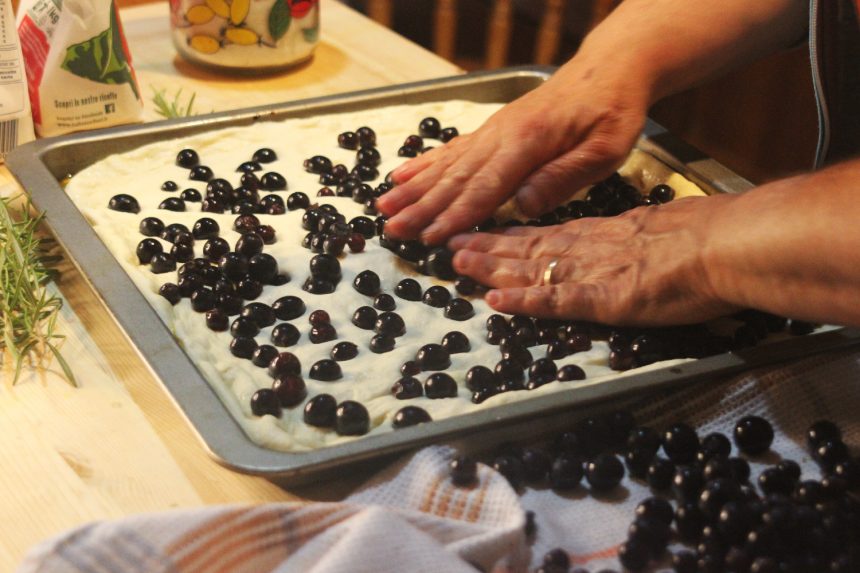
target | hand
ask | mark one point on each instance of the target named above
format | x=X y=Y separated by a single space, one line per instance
x=575 y=129
x=644 y=267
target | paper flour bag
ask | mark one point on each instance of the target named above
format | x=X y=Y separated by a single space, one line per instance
x=78 y=65
x=16 y=123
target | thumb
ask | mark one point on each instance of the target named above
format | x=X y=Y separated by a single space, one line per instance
x=554 y=183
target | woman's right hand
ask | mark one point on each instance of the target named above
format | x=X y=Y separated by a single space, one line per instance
x=574 y=130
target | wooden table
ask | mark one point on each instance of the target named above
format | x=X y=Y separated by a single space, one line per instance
x=117 y=445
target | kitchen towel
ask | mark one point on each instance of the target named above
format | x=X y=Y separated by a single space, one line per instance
x=411 y=517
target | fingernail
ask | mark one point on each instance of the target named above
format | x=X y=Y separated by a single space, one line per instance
x=429 y=234
x=388 y=207
x=529 y=200
x=395 y=173
x=493 y=297
x=461 y=261
x=391 y=227
x=457 y=241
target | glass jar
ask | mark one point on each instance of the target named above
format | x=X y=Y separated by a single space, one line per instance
x=245 y=35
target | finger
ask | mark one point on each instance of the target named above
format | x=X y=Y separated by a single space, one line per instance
x=409 y=169
x=478 y=200
x=483 y=190
x=528 y=230
x=436 y=189
x=413 y=167
x=568 y=300
x=524 y=246
x=407 y=190
x=500 y=272
x=397 y=199
x=553 y=184
x=513 y=231
x=412 y=206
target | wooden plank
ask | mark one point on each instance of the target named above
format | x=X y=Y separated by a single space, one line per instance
x=71 y=455
x=41 y=493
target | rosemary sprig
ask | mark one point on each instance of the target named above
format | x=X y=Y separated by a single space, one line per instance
x=28 y=312
x=173 y=108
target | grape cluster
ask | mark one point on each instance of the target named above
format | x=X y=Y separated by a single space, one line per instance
x=704 y=498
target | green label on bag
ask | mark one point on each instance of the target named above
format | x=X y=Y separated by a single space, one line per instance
x=101 y=58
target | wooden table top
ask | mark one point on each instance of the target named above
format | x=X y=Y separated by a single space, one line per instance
x=117 y=445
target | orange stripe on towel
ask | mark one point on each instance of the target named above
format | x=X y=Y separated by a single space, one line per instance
x=460 y=503
x=602 y=554
x=446 y=493
x=310 y=523
x=265 y=548
x=211 y=538
x=478 y=504
x=271 y=546
x=467 y=498
x=193 y=538
x=431 y=495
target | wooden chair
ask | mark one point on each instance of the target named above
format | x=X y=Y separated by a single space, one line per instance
x=500 y=25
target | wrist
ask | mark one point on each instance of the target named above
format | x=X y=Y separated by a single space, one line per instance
x=722 y=261
x=668 y=46
x=601 y=66
x=752 y=254
x=790 y=247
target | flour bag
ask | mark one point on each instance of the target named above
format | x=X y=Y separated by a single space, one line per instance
x=16 y=123
x=78 y=65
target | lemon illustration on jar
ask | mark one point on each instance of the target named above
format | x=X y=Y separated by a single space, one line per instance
x=204 y=44
x=199 y=14
x=220 y=7
x=239 y=11
x=241 y=36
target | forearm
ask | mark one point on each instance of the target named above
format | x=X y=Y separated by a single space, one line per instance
x=791 y=247
x=580 y=125
x=665 y=46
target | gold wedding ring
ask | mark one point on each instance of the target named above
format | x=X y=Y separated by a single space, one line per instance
x=546 y=279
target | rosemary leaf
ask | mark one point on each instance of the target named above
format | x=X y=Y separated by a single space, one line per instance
x=28 y=312
x=172 y=108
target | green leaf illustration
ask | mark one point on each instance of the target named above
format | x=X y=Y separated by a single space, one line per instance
x=311 y=34
x=279 y=19
x=101 y=58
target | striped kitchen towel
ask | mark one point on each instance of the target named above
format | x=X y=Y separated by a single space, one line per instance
x=411 y=517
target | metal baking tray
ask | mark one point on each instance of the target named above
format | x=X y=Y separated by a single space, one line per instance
x=41 y=165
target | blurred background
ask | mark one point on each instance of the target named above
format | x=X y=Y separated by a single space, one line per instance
x=760 y=121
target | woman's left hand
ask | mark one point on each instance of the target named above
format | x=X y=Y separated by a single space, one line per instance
x=645 y=267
